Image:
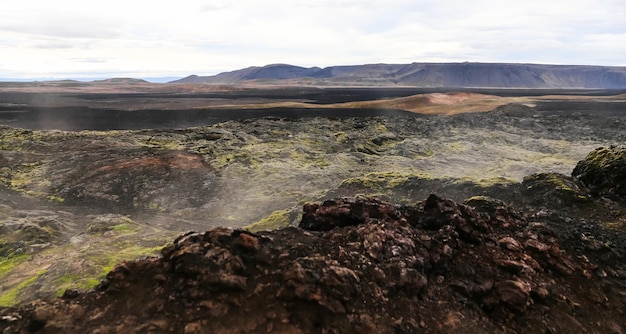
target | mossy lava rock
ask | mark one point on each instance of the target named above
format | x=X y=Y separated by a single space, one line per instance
x=603 y=171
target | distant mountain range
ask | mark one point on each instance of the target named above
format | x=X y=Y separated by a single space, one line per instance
x=461 y=75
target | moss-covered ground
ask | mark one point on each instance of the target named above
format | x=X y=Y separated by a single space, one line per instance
x=254 y=174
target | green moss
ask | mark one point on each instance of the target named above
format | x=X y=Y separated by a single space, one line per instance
x=26 y=178
x=278 y=133
x=17 y=140
x=309 y=159
x=555 y=180
x=367 y=148
x=10 y=297
x=381 y=128
x=12 y=140
x=99 y=133
x=341 y=137
x=457 y=147
x=312 y=142
x=426 y=154
x=8 y=263
x=101 y=227
x=240 y=157
x=97 y=261
x=5 y=176
x=121 y=228
x=603 y=171
x=487 y=182
x=132 y=252
x=17 y=241
x=382 y=180
x=49 y=230
x=615 y=225
x=155 y=206
x=159 y=143
x=9 y=147
x=561 y=185
x=75 y=282
x=476 y=199
x=484 y=203
x=276 y=220
x=56 y=199
x=604 y=156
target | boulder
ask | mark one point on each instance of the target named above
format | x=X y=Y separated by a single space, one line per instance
x=603 y=171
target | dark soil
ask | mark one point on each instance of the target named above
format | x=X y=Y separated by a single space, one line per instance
x=588 y=107
x=91 y=111
x=82 y=118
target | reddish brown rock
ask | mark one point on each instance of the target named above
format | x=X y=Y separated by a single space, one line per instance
x=515 y=294
x=355 y=265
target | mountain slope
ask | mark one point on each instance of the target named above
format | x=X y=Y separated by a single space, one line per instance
x=431 y=75
x=275 y=71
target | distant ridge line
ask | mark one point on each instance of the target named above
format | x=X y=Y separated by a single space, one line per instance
x=460 y=75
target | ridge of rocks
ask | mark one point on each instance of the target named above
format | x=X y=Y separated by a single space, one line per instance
x=354 y=265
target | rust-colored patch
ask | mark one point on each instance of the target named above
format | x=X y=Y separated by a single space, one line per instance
x=247 y=241
x=456 y=97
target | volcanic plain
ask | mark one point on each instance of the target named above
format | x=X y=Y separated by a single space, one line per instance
x=94 y=174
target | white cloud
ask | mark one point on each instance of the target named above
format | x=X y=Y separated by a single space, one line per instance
x=149 y=38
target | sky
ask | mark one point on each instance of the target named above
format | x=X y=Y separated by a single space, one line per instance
x=154 y=40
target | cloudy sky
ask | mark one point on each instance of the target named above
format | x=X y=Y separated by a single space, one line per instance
x=151 y=39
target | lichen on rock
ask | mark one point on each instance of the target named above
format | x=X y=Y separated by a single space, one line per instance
x=604 y=172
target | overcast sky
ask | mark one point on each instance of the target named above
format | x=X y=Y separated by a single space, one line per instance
x=148 y=39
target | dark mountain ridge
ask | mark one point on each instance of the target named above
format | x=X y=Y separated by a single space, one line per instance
x=460 y=75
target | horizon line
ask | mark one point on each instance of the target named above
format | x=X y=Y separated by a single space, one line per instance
x=169 y=78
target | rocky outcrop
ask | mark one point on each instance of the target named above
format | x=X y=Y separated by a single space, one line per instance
x=555 y=190
x=515 y=110
x=139 y=179
x=604 y=172
x=354 y=265
x=30 y=231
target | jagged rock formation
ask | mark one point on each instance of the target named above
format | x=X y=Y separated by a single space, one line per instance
x=431 y=75
x=354 y=265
